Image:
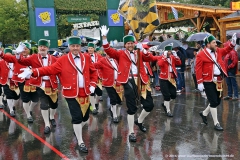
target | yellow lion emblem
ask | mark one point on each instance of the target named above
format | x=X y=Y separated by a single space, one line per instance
x=115 y=17
x=45 y=17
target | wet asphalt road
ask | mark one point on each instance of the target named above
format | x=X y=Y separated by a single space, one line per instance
x=181 y=137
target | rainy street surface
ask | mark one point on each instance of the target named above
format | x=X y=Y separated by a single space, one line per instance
x=180 y=137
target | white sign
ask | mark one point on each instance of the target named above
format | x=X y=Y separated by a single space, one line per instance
x=91 y=33
x=46 y=33
x=86 y=24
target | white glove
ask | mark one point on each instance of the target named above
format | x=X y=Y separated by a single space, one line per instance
x=139 y=46
x=20 y=48
x=104 y=30
x=165 y=53
x=92 y=89
x=200 y=87
x=174 y=53
x=234 y=39
x=26 y=73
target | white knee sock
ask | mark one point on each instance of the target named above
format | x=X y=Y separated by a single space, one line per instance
x=45 y=115
x=1 y=97
x=214 y=115
x=32 y=105
x=26 y=108
x=130 y=119
x=10 y=104
x=142 y=116
x=92 y=101
x=119 y=110
x=78 y=132
x=206 y=111
x=167 y=104
x=113 y=109
x=52 y=113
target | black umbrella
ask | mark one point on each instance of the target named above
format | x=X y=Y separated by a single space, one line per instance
x=197 y=37
x=66 y=50
x=153 y=43
x=189 y=52
x=176 y=43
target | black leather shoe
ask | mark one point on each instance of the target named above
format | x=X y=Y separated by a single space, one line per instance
x=30 y=120
x=1 y=106
x=47 y=130
x=83 y=148
x=94 y=112
x=132 y=138
x=169 y=114
x=110 y=112
x=31 y=113
x=12 y=114
x=53 y=122
x=115 y=120
x=164 y=108
x=204 y=118
x=218 y=127
x=141 y=127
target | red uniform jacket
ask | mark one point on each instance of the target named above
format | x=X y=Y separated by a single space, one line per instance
x=107 y=70
x=65 y=68
x=165 y=66
x=147 y=65
x=98 y=57
x=35 y=61
x=3 y=72
x=17 y=66
x=124 y=59
x=205 y=66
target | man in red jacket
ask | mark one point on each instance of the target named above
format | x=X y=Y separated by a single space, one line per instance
x=94 y=97
x=210 y=70
x=167 y=62
x=27 y=92
x=231 y=64
x=46 y=85
x=78 y=79
x=10 y=88
x=127 y=74
x=109 y=68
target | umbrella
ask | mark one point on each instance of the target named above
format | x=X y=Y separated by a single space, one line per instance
x=189 y=52
x=176 y=43
x=153 y=43
x=197 y=36
x=66 y=50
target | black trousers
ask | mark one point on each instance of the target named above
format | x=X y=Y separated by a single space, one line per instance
x=114 y=97
x=131 y=99
x=0 y=90
x=97 y=92
x=27 y=96
x=46 y=101
x=195 y=81
x=168 y=90
x=212 y=94
x=9 y=93
x=76 y=112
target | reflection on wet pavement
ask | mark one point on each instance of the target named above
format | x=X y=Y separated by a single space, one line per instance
x=181 y=137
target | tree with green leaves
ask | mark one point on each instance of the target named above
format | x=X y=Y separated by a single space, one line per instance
x=14 y=25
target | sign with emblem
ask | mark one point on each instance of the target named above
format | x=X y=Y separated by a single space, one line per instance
x=114 y=18
x=45 y=16
x=235 y=6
